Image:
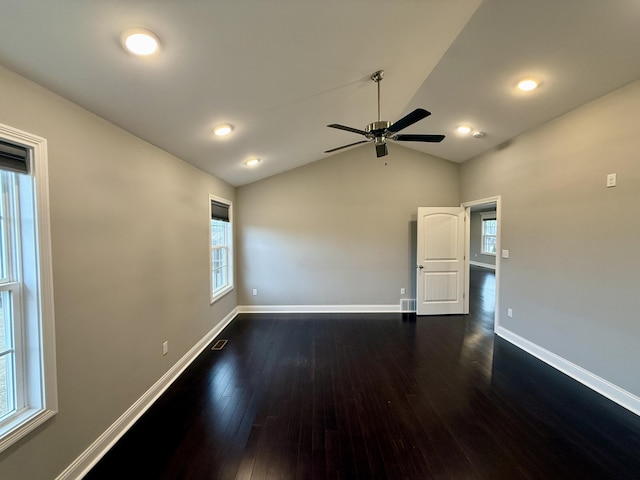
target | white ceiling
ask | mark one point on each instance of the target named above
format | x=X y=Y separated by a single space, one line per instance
x=281 y=70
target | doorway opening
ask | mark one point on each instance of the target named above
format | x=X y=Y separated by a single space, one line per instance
x=482 y=264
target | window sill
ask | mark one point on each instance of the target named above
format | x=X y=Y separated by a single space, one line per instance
x=221 y=293
x=488 y=254
x=22 y=424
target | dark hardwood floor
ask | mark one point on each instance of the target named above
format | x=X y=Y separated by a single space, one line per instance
x=355 y=396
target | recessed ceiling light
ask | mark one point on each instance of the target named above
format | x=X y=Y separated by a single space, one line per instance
x=528 y=84
x=222 y=130
x=140 y=41
x=464 y=129
x=252 y=162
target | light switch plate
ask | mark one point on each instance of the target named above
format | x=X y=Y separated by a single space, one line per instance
x=505 y=253
x=612 y=179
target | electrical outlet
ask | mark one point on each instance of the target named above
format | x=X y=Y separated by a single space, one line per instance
x=254 y=292
x=403 y=291
x=165 y=348
x=509 y=313
x=612 y=180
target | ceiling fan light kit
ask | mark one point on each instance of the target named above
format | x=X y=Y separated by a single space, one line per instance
x=381 y=131
x=381 y=147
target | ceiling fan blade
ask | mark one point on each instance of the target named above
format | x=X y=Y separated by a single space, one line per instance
x=346 y=146
x=418 y=138
x=348 y=129
x=415 y=116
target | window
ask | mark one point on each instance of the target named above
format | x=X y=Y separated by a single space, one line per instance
x=221 y=247
x=28 y=393
x=489 y=232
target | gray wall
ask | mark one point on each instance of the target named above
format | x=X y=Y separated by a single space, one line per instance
x=130 y=268
x=572 y=275
x=475 y=241
x=340 y=231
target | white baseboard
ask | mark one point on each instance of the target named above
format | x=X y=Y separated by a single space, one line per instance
x=319 y=308
x=603 y=387
x=484 y=265
x=81 y=465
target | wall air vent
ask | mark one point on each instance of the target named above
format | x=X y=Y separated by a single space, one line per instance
x=407 y=304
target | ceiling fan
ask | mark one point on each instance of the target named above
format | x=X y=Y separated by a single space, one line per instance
x=381 y=131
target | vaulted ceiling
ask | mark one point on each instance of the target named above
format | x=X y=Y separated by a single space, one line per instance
x=281 y=70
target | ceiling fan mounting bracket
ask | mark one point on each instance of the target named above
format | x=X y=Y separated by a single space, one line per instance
x=377 y=76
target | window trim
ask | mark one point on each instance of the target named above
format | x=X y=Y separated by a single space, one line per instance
x=41 y=381
x=214 y=297
x=483 y=217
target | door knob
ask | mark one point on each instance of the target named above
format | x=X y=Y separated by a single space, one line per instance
x=420 y=266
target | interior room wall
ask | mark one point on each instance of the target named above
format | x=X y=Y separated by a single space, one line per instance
x=475 y=241
x=129 y=226
x=340 y=231
x=571 y=275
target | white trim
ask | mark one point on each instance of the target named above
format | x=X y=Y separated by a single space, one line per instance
x=81 y=465
x=614 y=393
x=42 y=392
x=45 y=275
x=319 y=309
x=24 y=424
x=481 y=201
x=483 y=265
x=215 y=296
x=467 y=256
x=222 y=292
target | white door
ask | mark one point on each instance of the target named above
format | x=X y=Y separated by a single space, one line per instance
x=440 y=261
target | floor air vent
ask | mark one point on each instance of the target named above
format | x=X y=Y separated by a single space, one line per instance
x=219 y=345
x=407 y=305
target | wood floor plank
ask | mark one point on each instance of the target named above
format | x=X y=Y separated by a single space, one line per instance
x=364 y=396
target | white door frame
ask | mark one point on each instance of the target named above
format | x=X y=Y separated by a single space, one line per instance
x=498 y=201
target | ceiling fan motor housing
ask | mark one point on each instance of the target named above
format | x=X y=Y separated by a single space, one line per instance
x=377 y=128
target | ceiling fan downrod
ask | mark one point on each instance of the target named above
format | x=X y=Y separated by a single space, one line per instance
x=377 y=77
x=376 y=129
